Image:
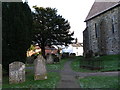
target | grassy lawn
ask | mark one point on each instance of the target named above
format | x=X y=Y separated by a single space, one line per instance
x=99 y=82
x=75 y=65
x=110 y=63
x=57 y=66
x=51 y=82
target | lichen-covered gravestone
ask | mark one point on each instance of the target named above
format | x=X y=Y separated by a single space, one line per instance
x=50 y=59
x=16 y=72
x=60 y=56
x=40 y=68
x=0 y=76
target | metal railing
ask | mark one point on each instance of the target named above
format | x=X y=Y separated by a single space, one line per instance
x=91 y=63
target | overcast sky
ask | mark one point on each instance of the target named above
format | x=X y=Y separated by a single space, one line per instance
x=75 y=11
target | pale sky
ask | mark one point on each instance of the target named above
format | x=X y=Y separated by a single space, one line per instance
x=75 y=11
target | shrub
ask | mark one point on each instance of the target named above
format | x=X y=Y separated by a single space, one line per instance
x=65 y=55
x=89 y=54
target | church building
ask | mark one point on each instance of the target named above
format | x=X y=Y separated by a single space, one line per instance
x=102 y=33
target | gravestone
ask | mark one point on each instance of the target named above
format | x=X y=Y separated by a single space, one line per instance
x=49 y=59
x=40 y=68
x=16 y=72
x=60 y=56
x=0 y=76
x=56 y=58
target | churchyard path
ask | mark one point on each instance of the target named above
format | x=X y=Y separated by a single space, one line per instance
x=69 y=77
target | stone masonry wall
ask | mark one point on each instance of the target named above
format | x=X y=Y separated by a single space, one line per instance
x=104 y=32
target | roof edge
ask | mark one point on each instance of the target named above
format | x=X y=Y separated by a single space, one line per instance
x=103 y=12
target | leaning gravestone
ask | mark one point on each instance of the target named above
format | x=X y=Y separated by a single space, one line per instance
x=16 y=72
x=50 y=59
x=40 y=68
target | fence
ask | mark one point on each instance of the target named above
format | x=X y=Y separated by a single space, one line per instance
x=91 y=63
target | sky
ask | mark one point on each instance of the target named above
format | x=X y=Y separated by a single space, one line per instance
x=75 y=11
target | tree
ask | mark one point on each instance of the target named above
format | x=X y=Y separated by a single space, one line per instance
x=50 y=28
x=16 y=32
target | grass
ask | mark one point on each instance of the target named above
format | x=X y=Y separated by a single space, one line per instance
x=57 y=66
x=75 y=65
x=51 y=82
x=110 y=63
x=99 y=82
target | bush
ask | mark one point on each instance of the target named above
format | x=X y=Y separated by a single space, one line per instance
x=89 y=54
x=55 y=58
x=30 y=60
x=65 y=55
x=72 y=55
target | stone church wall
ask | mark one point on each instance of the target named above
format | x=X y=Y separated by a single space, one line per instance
x=104 y=32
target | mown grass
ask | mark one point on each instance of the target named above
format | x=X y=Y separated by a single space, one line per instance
x=75 y=65
x=51 y=82
x=99 y=82
x=110 y=63
x=57 y=66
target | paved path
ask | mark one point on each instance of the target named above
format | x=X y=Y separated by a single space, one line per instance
x=68 y=79
x=81 y=74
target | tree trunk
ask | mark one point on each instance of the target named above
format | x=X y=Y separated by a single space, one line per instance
x=43 y=51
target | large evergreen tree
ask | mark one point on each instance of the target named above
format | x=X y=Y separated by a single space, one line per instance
x=50 y=28
x=16 y=32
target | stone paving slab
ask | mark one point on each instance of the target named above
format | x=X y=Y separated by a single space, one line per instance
x=113 y=73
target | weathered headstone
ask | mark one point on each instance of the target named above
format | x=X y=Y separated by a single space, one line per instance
x=0 y=76
x=56 y=58
x=50 y=59
x=16 y=72
x=40 y=68
x=60 y=56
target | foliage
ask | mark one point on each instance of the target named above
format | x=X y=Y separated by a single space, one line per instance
x=50 y=28
x=32 y=47
x=16 y=31
x=51 y=82
x=89 y=54
x=65 y=55
x=99 y=82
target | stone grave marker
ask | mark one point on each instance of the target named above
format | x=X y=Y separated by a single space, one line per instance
x=60 y=56
x=0 y=76
x=40 y=68
x=50 y=59
x=16 y=72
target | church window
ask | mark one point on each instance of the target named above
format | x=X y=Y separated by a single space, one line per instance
x=112 y=27
x=96 y=31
